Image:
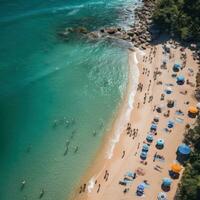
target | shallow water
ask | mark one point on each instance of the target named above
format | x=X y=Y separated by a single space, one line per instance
x=42 y=79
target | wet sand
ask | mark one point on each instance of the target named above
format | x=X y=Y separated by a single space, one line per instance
x=104 y=174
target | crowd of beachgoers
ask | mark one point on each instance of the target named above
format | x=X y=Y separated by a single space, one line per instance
x=148 y=160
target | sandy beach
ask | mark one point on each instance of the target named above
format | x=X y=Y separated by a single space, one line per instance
x=101 y=180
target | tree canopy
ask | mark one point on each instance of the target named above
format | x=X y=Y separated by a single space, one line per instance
x=179 y=17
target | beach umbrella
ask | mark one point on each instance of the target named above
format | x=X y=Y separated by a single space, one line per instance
x=184 y=149
x=160 y=142
x=143 y=155
x=167 y=182
x=145 y=147
x=170 y=124
x=156 y=119
x=193 y=110
x=153 y=127
x=175 y=167
x=198 y=105
x=162 y=196
x=180 y=80
x=149 y=137
x=168 y=90
x=140 y=187
x=176 y=67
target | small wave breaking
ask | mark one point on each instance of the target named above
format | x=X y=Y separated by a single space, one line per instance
x=132 y=89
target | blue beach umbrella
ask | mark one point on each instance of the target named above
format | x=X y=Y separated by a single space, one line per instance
x=153 y=127
x=184 y=149
x=149 y=137
x=145 y=147
x=167 y=182
x=170 y=124
x=176 y=67
x=143 y=155
x=140 y=187
x=160 y=142
x=180 y=80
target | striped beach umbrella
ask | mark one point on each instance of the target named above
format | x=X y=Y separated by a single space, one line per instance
x=149 y=138
x=143 y=155
x=145 y=147
x=153 y=127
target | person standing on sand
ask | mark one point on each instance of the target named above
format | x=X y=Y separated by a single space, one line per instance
x=84 y=187
x=80 y=190
x=138 y=146
x=98 y=188
x=107 y=175
x=123 y=154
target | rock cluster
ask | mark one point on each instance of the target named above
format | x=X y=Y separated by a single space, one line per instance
x=139 y=33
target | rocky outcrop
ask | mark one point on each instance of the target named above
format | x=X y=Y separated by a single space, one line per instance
x=140 y=33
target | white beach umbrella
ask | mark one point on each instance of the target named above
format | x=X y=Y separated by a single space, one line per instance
x=169 y=89
x=162 y=196
x=198 y=105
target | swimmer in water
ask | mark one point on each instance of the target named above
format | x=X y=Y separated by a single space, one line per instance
x=67 y=123
x=55 y=123
x=66 y=151
x=41 y=194
x=94 y=133
x=23 y=184
x=76 y=149
x=67 y=143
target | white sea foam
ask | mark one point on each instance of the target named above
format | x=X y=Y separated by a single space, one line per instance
x=132 y=89
x=73 y=12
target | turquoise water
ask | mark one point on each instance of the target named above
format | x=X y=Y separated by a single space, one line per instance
x=42 y=79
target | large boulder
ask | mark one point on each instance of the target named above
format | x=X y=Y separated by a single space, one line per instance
x=130 y=33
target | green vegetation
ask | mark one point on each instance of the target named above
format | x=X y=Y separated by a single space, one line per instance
x=189 y=188
x=179 y=17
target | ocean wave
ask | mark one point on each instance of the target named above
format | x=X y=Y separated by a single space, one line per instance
x=73 y=12
x=124 y=119
x=44 y=11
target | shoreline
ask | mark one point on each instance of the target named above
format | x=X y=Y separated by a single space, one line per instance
x=102 y=156
x=116 y=166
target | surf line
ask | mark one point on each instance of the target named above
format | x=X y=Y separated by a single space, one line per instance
x=127 y=108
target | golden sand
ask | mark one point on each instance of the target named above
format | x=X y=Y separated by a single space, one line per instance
x=108 y=187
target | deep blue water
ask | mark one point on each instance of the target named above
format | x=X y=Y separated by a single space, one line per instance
x=43 y=79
